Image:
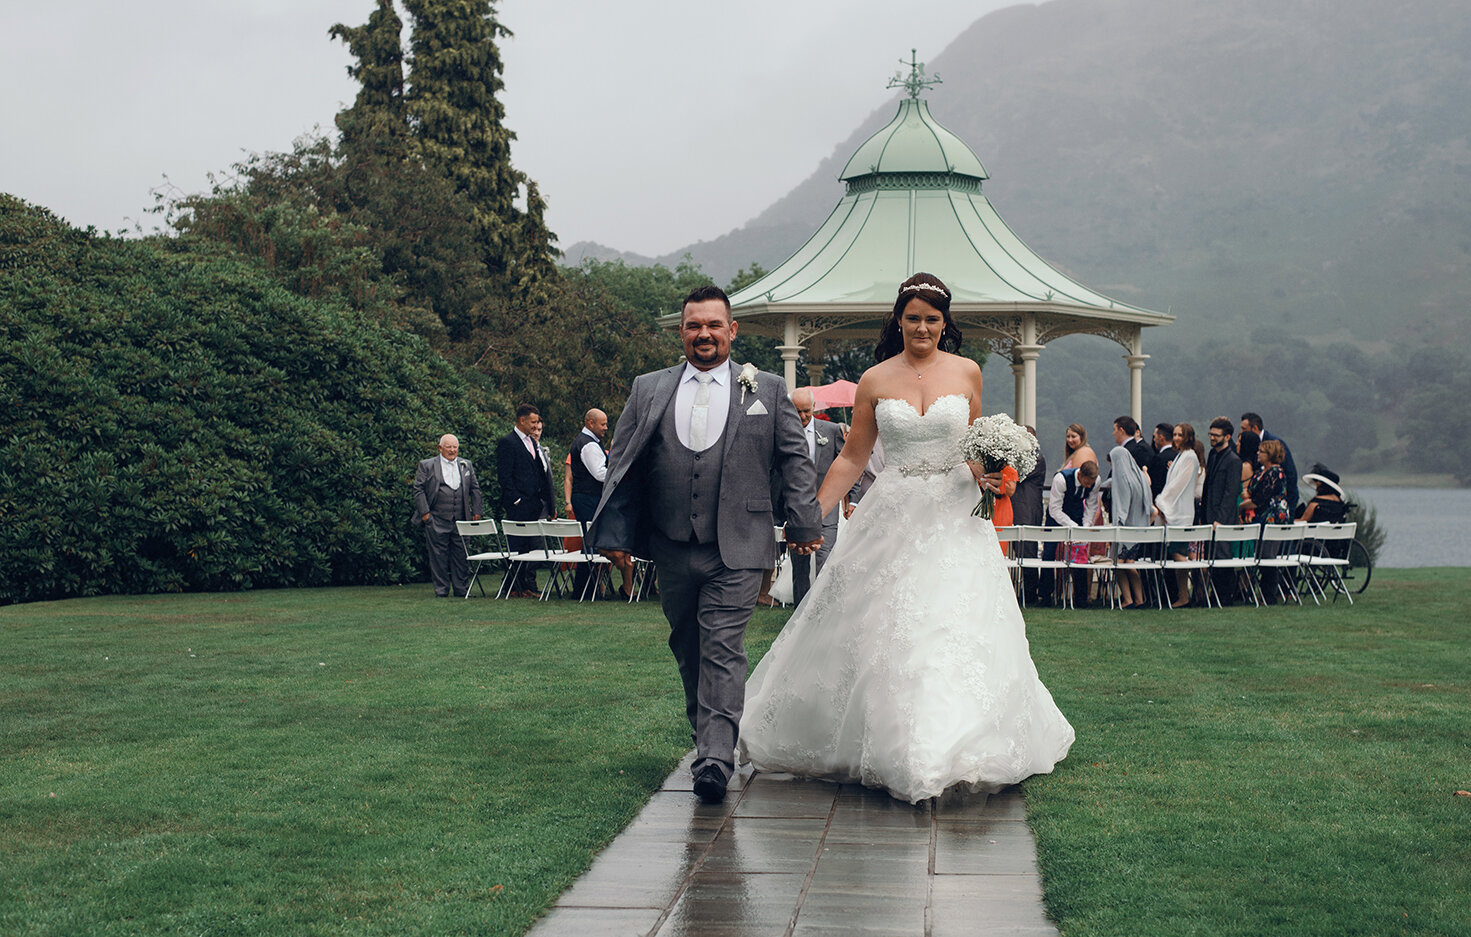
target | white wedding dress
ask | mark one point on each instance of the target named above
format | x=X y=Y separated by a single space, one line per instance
x=907 y=666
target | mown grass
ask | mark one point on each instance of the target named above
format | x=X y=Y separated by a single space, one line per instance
x=373 y=761
x=1252 y=772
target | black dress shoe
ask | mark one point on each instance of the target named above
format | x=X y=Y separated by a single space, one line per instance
x=710 y=785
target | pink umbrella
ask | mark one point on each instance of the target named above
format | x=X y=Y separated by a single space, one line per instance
x=836 y=394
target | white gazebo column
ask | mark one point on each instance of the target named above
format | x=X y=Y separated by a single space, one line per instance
x=1136 y=361
x=790 y=351
x=1019 y=389
x=816 y=355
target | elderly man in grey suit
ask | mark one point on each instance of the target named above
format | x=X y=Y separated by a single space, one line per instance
x=689 y=486
x=446 y=490
x=823 y=442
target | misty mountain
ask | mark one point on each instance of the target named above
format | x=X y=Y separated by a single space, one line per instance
x=1303 y=164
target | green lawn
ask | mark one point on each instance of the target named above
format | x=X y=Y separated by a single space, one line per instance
x=373 y=761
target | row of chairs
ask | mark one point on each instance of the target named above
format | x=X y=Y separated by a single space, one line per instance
x=1293 y=560
x=487 y=542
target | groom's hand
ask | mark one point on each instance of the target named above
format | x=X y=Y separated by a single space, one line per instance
x=807 y=548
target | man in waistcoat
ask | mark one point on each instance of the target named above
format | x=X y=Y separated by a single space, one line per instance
x=587 y=469
x=1073 y=496
x=446 y=490
x=689 y=487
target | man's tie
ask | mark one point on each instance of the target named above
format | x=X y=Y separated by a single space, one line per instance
x=700 y=412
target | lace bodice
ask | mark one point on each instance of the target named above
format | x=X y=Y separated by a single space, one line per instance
x=927 y=444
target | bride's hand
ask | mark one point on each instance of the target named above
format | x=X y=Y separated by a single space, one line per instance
x=979 y=471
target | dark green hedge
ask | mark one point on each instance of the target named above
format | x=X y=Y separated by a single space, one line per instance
x=171 y=419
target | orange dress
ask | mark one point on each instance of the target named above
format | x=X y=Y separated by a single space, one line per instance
x=1001 y=515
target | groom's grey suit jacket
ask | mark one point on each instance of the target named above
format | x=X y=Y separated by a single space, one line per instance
x=759 y=452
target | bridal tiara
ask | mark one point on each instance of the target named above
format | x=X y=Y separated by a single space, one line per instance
x=926 y=286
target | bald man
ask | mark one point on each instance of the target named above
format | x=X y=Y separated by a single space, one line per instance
x=446 y=490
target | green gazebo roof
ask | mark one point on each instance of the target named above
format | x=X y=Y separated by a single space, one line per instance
x=914 y=202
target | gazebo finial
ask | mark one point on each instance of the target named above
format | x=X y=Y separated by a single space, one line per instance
x=915 y=81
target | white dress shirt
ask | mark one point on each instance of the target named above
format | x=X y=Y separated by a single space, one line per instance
x=810 y=430
x=684 y=401
x=594 y=459
x=450 y=471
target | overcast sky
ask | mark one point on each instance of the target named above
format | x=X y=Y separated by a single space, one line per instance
x=648 y=124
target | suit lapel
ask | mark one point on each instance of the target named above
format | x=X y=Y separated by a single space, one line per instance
x=734 y=414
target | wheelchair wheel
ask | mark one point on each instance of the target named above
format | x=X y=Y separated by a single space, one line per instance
x=1360 y=568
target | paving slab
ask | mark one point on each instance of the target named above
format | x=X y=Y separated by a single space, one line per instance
x=786 y=857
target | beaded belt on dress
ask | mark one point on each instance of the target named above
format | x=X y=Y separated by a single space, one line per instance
x=926 y=469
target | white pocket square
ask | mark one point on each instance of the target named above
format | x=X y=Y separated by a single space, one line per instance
x=757 y=409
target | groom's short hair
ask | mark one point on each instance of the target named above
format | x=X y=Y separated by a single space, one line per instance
x=702 y=293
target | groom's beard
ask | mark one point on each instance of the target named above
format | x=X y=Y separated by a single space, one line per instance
x=708 y=353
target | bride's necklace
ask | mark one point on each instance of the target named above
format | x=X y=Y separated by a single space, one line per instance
x=918 y=374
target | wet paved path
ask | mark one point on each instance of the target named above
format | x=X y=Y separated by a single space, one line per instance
x=797 y=858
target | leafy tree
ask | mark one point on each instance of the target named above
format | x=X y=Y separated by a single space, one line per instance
x=458 y=122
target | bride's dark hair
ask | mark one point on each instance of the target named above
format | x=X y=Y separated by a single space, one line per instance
x=928 y=287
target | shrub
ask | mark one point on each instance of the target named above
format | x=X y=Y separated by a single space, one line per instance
x=173 y=419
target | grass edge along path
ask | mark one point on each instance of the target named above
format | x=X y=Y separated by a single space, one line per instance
x=356 y=761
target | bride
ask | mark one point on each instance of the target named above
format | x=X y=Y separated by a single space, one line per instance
x=907 y=667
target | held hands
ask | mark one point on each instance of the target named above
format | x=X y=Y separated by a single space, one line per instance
x=804 y=548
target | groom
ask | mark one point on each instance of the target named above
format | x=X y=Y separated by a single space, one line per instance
x=689 y=486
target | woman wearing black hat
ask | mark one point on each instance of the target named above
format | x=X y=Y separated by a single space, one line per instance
x=1327 y=506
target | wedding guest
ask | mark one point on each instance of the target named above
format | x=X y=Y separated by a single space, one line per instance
x=1026 y=509
x=1327 y=506
x=1003 y=485
x=1126 y=433
x=1076 y=450
x=1164 y=454
x=1246 y=447
x=1072 y=501
x=1253 y=422
x=1221 y=497
x=1268 y=498
x=1175 y=506
x=1132 y=506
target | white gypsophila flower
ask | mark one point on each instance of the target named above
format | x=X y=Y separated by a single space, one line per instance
x=997 y=441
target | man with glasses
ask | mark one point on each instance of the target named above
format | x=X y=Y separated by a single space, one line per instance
x=1219 y=502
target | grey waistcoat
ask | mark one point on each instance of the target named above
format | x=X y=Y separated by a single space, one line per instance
x=685 y=485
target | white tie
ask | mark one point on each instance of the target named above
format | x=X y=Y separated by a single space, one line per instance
x=700 y=412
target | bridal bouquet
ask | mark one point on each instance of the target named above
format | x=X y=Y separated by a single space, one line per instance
x=996 y=442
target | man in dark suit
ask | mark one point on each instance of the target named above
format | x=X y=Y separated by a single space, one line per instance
x=1027 y=510
x=689 y=486
x=1220 y=496
x=526 y=488
x=1164 y=454
x=1126 y=434
x=824 y=442
x=446 y=490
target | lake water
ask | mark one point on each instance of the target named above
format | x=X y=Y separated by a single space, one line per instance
x=1426 y=526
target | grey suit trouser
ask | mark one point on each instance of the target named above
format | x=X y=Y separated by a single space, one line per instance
x=448 y=567
x=708 y=607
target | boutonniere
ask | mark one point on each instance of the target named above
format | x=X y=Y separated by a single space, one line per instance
x=822 y=440
x=747 y=379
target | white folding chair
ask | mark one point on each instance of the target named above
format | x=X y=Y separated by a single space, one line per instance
x=1280 y=553
x=1197 y=540
x=565 y=562
x=482 y=543
x=539 y=553
x=1149 y=561
x=1039 y=536
x=1242 y=566
x=1008 y=537
x=1324 y=556
x=1104 y=565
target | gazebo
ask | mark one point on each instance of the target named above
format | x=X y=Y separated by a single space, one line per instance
x=914 y=202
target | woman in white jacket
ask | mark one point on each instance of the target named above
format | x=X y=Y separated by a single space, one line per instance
x=1175 y=506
